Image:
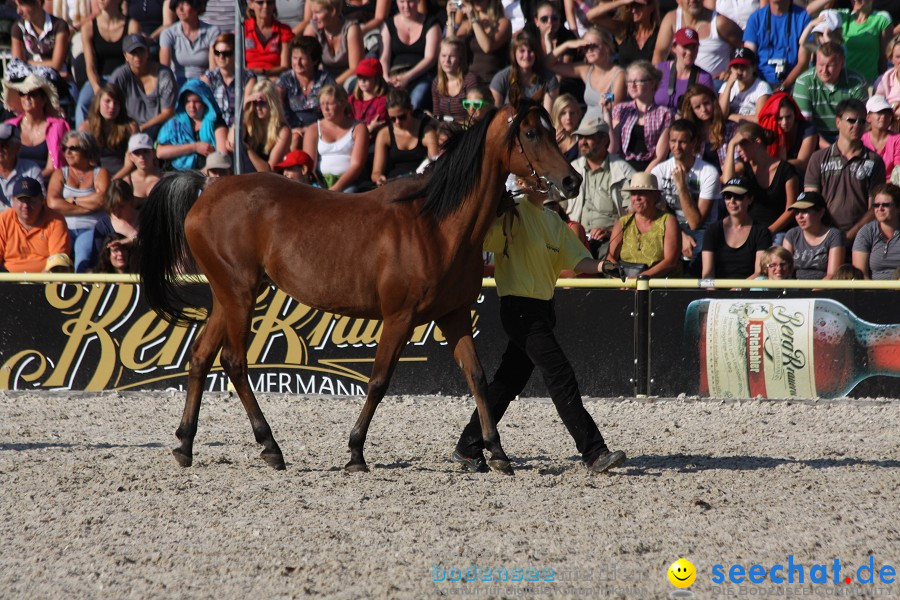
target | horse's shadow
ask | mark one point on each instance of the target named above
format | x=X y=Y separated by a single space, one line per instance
x=23 y=447
x=655 y=464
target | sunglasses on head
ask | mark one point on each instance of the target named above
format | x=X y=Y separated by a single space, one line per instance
x=224 y=53
x=474 y=104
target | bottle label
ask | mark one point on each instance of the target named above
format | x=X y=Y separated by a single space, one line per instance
x=760 y=348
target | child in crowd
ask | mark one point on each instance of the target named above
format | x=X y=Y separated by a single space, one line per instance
x=368 y=102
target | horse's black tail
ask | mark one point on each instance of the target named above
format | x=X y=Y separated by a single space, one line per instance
x=164 y=254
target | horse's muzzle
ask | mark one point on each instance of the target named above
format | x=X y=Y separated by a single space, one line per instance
x=570 y=185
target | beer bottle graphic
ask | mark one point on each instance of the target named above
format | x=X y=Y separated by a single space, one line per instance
x=786 y=348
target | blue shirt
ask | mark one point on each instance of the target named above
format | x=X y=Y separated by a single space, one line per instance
x=770 y=35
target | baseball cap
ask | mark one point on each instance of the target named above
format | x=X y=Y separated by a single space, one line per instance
x=591 y=125
x=140 y=141
x=687 y=37
x=738 y=185
x=27 y=186
x=875 y=104
x=8 y=131
x=133 y=41
x=743 y=56
x=58 y=261
x=808 y=200
x=218 y=160
x=369 y=67
x=297 y=158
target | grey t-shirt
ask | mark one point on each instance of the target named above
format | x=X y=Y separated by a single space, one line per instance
x=811 y=262
x=884 y=255
x=190 y=60
x=140 y=106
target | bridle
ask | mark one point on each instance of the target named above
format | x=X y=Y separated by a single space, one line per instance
x=541 y=184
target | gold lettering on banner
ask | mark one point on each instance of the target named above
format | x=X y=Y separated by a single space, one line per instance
x=283 y=333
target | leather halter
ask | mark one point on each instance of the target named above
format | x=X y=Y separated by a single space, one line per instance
x=542 y=185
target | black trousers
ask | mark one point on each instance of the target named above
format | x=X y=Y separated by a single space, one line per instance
x=529 y=324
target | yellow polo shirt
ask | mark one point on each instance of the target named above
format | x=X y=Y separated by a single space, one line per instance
x=540 y=246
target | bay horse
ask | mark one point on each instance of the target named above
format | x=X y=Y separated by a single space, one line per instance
x=421 y=259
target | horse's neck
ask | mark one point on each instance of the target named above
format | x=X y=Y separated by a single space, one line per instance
x=470 y=224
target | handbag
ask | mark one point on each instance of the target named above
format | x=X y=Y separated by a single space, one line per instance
x=631 y=269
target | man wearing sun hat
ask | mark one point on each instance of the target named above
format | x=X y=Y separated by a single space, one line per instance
x=601 y=199
x=31 y=234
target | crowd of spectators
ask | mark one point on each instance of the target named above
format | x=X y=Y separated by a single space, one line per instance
x=738 y=138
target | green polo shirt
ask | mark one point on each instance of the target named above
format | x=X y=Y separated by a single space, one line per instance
x=818 y=100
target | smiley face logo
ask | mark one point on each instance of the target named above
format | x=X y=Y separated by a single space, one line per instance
x=682 y=573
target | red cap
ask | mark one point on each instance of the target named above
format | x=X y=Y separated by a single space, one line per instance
x=297 y=158
x=687 y=37
x=369 y=67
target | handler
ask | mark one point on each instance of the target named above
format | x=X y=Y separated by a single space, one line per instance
x=530 y=249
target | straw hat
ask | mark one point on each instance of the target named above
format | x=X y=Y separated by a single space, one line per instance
x=642 y=182
x=30 y=83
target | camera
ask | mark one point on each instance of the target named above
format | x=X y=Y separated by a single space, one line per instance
x=780 y=67
x=609 y=97
x=456 y=4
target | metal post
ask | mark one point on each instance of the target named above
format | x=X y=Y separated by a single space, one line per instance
x=642 y=337
x=238 y=83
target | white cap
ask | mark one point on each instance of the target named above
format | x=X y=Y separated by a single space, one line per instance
x=831 y=20
x=140 y=141
x=877 y=103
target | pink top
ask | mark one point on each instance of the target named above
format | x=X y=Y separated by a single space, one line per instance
x=889 y=87
x=890 y=154
x=56 y=130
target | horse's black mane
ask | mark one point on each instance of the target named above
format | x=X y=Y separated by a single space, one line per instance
x=455 y=173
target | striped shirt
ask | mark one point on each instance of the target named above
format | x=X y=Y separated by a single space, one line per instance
x=817 y=100
x=656 y=119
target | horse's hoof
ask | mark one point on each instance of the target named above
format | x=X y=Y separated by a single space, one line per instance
x=500 y=465
x=352 y=467
x=185 y=460
x=274 y=460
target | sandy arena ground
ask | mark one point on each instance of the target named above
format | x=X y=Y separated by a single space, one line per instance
x=92 y=504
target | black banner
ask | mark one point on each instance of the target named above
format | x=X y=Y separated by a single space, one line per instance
x=104 y=337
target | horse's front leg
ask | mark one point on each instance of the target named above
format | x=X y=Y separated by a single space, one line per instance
x=394 y=335
x=457 y=328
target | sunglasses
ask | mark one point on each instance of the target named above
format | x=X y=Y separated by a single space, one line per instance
x=224 y=53
x=590 y=47
x=730 y=196
x=548 y=18
x=885 y=205
x=638 y=81
x=31 y=94
x=264 y=2
x=474 y=104
x=261 y=103
x=72 y=149
x=852 y=120
x=398 y=118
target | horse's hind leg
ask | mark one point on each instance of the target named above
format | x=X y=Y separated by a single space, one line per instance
x=394 y=335
x=234 y=361
x=457 y=329
x=203 y=353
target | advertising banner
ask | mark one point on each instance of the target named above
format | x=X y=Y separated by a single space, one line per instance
x=789 y=344
x=105 y=337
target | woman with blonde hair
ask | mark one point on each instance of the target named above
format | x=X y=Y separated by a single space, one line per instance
x=452 y=83
x=485 y=31
x=340 y=37
x=604 y=82
x=776 y=263
x=566 y=116
x=266 y=132
x=635 y=23
x=337 y=143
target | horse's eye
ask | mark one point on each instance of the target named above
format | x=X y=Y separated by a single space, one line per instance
x=532 y=134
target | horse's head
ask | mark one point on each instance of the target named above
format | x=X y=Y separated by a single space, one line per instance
x=534 y=154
